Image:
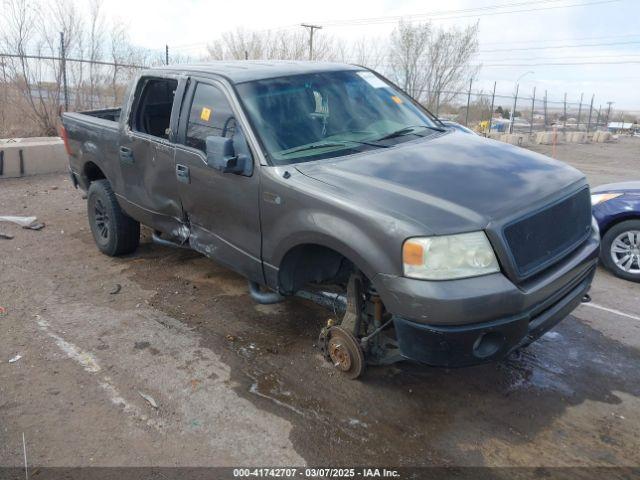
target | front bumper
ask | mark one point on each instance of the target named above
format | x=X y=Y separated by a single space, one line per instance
x=460 y=345
x=475 y=320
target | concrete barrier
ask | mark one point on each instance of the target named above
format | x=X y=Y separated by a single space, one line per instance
x=600 y=136
x=577 y=137
x=544 y=138
x=32 y=156
x=515 y=138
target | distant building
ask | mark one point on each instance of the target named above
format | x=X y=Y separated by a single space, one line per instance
x=620 y=127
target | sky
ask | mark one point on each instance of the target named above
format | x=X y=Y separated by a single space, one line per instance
x=596 y=31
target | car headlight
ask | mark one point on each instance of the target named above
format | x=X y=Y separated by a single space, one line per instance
x=449 y=256
x=597 y=198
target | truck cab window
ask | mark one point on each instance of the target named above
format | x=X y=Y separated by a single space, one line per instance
x=210 y=115
x=153 y=111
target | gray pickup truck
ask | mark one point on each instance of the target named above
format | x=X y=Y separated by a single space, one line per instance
x=328 y=181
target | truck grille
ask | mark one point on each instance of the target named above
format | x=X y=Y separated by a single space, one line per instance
x=542 y=238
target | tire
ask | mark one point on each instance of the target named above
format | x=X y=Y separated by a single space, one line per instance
x=622 y=237
x=114 y=232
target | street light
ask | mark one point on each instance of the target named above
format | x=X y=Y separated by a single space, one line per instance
x=515 y=99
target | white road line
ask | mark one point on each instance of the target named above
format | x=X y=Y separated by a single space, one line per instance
x=611 y=310
x=88 y=361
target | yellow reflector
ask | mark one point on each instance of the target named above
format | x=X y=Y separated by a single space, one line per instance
x=412 y=253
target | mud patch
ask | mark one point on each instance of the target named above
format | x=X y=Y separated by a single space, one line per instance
x=407 y=414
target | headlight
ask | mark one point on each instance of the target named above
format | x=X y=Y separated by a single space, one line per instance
x=449 y=256
x=603 y=197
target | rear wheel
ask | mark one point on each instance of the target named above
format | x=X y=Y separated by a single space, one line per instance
x=620 y=252
x=114 y=232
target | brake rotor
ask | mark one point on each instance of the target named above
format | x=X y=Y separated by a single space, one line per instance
x=344 y=352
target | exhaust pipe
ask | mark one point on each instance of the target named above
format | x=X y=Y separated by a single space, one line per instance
x=264 y=298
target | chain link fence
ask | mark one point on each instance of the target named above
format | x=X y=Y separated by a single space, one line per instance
x=35 y=89
x=488 y=112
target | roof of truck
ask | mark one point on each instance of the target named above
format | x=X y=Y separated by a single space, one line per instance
x=238 y=71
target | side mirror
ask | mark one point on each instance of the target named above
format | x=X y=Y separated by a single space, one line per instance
x=221 y=155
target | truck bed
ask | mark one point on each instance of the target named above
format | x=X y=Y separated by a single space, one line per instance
x=93 y=137
x=92 y=119
x=112 y=114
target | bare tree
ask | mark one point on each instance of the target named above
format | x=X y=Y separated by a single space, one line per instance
x=368 y=52
x=428 y=62
x=96 y=36
x=241 y=44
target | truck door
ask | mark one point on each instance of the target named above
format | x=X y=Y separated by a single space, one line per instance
x=222 y=208
x=146 y=154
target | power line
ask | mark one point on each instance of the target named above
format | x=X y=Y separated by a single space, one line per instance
x=622 y=62
x=435 y=13
x=609 y=56
x=538 y=41
x=580 y=45
x=430 y=16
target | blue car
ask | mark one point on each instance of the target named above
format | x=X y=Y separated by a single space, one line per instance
x=456 y=126
x=616 y=207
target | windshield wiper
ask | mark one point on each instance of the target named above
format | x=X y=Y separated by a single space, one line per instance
x=344 y=143
x=407 y=130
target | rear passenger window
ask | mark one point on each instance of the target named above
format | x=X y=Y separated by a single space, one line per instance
x=210 y=115
x=152 y=114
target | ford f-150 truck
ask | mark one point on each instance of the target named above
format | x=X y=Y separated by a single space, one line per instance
x=328 y=181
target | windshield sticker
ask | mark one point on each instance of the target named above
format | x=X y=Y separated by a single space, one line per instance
x=396 y=99
x=205 y=114
x=372 y=80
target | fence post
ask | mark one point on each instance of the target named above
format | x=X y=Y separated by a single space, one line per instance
x=513 y=110
x=564 y=113
x=166 y=54
x=545 y=110
x=63 y=68
x=466 y=118
x=590 y=112
x=579 y=111
x=493 y=97
x=598 y=117
x=533 y=106
x=438 y=104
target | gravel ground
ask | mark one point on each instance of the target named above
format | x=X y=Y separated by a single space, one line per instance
x=103 y=340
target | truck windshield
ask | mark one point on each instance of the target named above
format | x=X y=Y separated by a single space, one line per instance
x=329 y=114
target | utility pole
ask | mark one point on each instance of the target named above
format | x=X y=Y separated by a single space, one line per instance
x=63 y=67
x=590 y=113
x=166 y=54
x=513 y=110
x=579 y=112
x=609 y=112
x=533 y=106
x=311 y=28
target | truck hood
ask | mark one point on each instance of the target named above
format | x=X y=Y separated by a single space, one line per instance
x=450 y=183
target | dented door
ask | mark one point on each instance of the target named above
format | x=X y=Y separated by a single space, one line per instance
x=222 y=208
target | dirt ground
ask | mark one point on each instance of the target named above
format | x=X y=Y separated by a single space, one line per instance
x=236 y=383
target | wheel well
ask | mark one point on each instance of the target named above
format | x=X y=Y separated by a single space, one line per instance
x=311 y=263
x=618 y=221
x=92 y=172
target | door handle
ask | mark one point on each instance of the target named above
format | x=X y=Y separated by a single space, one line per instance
x=182 y=172
x=126 y=155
